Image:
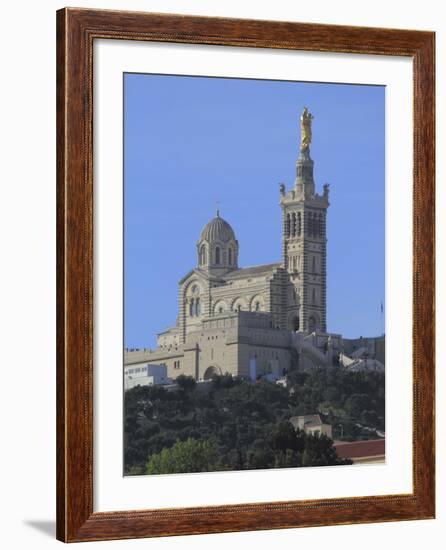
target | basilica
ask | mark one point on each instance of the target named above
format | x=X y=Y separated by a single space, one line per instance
x=256 y=320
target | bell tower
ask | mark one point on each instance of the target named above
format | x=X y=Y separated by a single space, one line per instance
x=304 y=249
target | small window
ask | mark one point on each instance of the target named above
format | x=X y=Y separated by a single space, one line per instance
x=310 y=224
x=320 y=226
x=203 y=255
x=311 y=324
x=295 y=323
x=230 y=256
x=217 y=255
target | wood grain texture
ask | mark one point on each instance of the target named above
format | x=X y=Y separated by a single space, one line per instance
x=76 y=31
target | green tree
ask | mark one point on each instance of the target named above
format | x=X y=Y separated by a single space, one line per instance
x=249 y=422
x=187 y=456
x=356 y=404
x=285 y=437
x=223 y=381
x=288 y=459
x=186 y=383
x=319 y=451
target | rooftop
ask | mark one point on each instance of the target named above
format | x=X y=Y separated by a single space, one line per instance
x=360 y=449
x=217 y=229
x=252 y=271
x=307 y=420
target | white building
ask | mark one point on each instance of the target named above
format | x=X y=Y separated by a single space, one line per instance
x=145 y=375
x=311 y=424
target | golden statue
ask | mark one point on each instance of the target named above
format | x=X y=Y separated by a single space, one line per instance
x=305 y=129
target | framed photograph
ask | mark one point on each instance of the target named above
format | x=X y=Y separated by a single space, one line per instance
x=245 y=275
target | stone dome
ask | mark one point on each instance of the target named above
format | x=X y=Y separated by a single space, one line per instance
x=217 y=229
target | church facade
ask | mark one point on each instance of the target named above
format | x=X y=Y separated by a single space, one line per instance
x=257 y=320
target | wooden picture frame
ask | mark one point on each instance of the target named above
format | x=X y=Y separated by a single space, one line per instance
x=76 y=31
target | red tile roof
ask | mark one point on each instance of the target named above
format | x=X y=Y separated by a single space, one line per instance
x=359 y=449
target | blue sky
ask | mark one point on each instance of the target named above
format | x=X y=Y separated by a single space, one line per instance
x=190 y=142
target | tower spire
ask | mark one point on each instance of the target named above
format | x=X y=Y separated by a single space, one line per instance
x=305 y=129
x=304 y=163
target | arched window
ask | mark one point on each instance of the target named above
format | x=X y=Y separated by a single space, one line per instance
x=191 y=307
x=197 y=307
x=299 y=224
x=217 y=255
x=321 y=225
x=237 y=305
x=220 y=307
x=293 y=225
x=295 y=263
x=311 y=324
x=230 y=256
x=203 y=255
x=288 y=225
x=295 y=323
